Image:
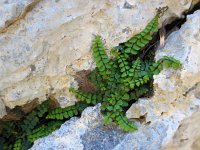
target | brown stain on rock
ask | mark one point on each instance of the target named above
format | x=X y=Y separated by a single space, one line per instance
x=84 y=84
x=23 y=14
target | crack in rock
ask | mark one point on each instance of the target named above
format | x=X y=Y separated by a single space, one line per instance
x=22 y=15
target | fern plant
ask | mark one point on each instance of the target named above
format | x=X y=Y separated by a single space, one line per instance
x=119 y=81
x=43 y=120
x=124 y=78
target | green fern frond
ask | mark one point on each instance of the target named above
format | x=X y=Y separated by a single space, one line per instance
x=18 y=145
x=100 y=57
x=123 y=65
x=137 y=75
x=125 y=124
x=138 y=92
x=44 y=130
x=97 y=80
x=166 y=62
x=136 y=43
x=43 y=108
x=170 y=62
x=89 y=98
x=30 y=122
x=61 y=113
x=9 y=128
x=32 y=119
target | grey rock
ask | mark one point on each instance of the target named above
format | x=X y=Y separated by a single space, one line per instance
x=187 y=137
x=87 y=132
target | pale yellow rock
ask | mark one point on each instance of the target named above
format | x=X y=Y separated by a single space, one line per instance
x=187 y=137
x=48 y=41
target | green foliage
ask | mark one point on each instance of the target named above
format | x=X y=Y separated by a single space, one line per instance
x=88 y=98
x=18 y=145
x=124 y=123
x=123 y=65
x=19 y=135
x=8 y=129
x=102 y=61
x=60 y=113
x=119 y=81
x=44 y=130
x=68 y=112
x=124 y=78
x=32 y=119
x=136 y=43
x=97 y=80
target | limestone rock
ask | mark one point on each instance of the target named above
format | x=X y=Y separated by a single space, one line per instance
x=187 y=137
x=176 y=92
x=43 y=43
x=2 y=109
x=174 y=100
x=87 y=132
x=11 y=11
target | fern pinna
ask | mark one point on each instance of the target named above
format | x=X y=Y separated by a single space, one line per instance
x=124 y=78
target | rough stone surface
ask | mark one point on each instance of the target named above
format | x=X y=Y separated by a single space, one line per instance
x=176 y=92
x=2 y=109
x=176 y=97
x=88 y=132
x=43 y=43
x=11 y=10
x=187 y=137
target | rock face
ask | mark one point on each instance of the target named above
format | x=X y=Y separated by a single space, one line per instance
x=43 y=43
x=87 y=132
x=176 y=92
x=187 y=137
x=176 y=97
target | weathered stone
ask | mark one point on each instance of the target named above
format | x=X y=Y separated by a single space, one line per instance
x=43 y=47
x=187 y=137
x=176 y=92
x=43 y=43
x=88 y=132
x=175 y=99
x=2 y=109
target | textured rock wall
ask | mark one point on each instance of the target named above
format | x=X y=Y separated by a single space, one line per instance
x=170 y=118
x=44 y=42
x=187 y=137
